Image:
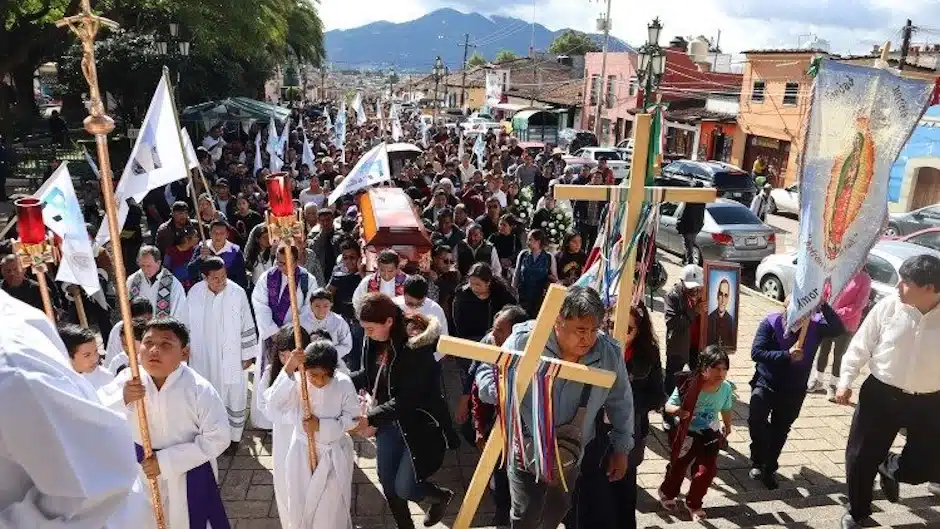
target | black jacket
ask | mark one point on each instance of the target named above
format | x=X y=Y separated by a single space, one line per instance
x=473 y=316
x=692 y=218
x=679 y=320
x=647 y=382
x=410 y=398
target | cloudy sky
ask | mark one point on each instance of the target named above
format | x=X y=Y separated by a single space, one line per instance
x=851 y=26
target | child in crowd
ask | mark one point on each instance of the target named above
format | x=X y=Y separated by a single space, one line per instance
x=321 y=498
x=321 y=334
x=140 y=309
x=188 y=426
x=120 y=362
x=325 y=319
x=282 y=344
x=699 y=400
x=83 y=352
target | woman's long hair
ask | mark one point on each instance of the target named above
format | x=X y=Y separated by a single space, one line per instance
x=645 y=344
x=378 y=308
x=253 y=249
x=498 y=287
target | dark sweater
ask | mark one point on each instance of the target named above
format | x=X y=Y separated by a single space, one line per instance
x=771 y=350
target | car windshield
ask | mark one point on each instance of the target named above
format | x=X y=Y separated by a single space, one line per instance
x=607 y=155
x=733 y=180
x=728 y=214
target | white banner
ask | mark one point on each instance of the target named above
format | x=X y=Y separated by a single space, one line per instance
x=191 y=159
x=370 y=170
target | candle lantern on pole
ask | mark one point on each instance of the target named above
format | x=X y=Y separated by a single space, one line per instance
x=285 y=226
x=34 y=248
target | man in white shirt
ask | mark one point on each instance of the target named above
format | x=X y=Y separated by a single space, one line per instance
x=214 y=143
x=415 y=299
x=65 y=459
x=898 y=342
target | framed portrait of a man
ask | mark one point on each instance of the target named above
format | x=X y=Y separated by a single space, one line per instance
x=722 y=294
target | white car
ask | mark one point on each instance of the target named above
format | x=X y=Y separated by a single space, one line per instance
x=480 y=125
x=625 y=148
x=786 y=200
x=620 y=168
x=775 y=274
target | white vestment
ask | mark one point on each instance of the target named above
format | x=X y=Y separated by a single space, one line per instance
x=188 y=427
x=339 y=332
x=119 y=363
x=322 y=498
x=222 y=336
x=66 y=461
x=149 y=290
x=98 y=378
x=113 y=346
x=385 y=287
x=267 y=327
x=282 y=427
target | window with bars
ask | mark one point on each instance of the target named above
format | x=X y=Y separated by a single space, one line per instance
x=757 y=91
x=791 y=93
x=611 y=91
x=595 y=89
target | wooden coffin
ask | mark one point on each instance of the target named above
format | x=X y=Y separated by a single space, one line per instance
x=389 y=221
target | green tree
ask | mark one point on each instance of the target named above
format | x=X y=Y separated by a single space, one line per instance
x=573 y=43
x=475 y=60
x=505 y=55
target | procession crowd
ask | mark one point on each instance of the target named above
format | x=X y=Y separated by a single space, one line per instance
x=205 y=311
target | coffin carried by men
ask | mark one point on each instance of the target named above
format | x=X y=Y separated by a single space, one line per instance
x=390 y=221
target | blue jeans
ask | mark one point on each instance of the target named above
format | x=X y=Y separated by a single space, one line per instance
x=396 y=471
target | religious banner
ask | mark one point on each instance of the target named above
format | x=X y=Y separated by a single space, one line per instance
x=371 y=169
x=494 y=89
x=859 y=119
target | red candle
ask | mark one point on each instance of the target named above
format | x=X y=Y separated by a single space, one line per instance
x=279 y=197
x=30 y=226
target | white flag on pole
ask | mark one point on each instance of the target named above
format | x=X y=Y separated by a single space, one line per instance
x=285 y=136
x=63 y=215
x=307 y=156
x=156 y=159
x=258 y=165
x=396 y=129
x=329 y=120
x=370 y=170
x=273 y=148
x=380 y=117
x=360 y=110
x=461 y=149
x=479 y=148
x=424 y=134
x=191 y=159
x=340 y=127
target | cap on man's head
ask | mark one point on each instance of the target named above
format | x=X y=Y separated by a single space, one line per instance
x=179 y=205
x=692 y=276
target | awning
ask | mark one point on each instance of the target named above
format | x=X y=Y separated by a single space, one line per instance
x=242 y=110
x=537 y=118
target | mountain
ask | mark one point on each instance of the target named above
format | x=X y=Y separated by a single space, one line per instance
x=413 y=45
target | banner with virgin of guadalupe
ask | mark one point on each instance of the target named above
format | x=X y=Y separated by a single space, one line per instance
x=859 y=120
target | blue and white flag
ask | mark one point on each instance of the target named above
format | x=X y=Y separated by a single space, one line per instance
x=62 y=214
x=479 y=149
x=307 y=156
x=360 y=110
x=340 y=129
x=274 y=148
x=258 y=161
x=329 y=121
x=371 y=169
x=859 y=119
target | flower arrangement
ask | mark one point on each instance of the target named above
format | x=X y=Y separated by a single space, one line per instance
x=521 y=206
x=558 y=226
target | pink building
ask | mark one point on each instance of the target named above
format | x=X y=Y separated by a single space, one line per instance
x=617 y=95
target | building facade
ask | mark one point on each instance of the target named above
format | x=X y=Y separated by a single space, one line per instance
x=615 y=94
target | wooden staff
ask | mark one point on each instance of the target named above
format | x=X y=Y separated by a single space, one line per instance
x=179 y=137
x=85 y=25
x=44 y=294
x=79 y=305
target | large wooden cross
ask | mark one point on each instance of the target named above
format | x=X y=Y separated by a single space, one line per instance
x=525 y=370
x=636 y=194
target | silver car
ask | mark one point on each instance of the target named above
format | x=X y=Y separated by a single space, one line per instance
x=775 y=273
x=730 y=233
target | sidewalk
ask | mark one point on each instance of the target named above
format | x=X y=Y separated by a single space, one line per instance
x=811 y=493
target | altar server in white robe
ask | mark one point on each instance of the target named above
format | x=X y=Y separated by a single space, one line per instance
x=82 y=346
x=324 y=319
x=140 y=309
x=223 y=339
x=188 y=426
x=65 y=459
x=387 y=279
x=271 y=302
x=158 y=284
x=318 y=499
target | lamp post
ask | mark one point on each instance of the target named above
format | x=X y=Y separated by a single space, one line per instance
x=651 y=64
x=179 y=51
x=604 y=25
x=438 y=72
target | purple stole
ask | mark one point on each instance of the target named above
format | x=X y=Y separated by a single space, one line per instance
x=277 y=300
x=202 y=496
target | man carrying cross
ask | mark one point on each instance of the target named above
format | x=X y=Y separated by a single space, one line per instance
x=575 y=338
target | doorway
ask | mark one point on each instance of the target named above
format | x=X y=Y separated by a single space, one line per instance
x=926 y=189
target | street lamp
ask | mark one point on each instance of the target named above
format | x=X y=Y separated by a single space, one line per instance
x=165 y=48
x=438 y=72
x=651 y=62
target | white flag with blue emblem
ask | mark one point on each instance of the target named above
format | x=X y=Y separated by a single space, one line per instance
x=370 y=170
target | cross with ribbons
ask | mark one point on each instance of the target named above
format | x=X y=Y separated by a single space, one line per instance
x=634 y=192
x=528 y=364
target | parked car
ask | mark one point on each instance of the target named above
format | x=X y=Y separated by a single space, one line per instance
x=731 y=233
x=729 y=181
x=929 y=238
x=776 y=273
x=785 y=200
x=625 y=148
x=906 y=223
x=573 y=140
x=614 y=161
x=477 y=124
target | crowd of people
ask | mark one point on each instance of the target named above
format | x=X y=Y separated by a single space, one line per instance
x=206 y=311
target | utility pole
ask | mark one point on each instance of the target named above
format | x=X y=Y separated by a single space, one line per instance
x=322 y=83
x=603 y=79
x=463 y=67
x=905 y=43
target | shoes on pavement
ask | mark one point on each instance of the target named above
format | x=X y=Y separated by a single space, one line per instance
x=814 y=384
x=889 y=485
x=668 y=503
x=831 y=393
x=501 y=519
x=769 y=480
x=697 y=514
x=849 y=523
x=440 y=499
x=756 y=474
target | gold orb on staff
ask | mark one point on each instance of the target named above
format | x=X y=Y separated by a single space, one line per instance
x=85 y=25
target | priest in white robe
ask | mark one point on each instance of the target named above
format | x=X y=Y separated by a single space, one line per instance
x=321 y=498
x=271 y=302
x=188 y=426
x=388 y=279
x=224 y=341
x=65 y=459
x=156 y=283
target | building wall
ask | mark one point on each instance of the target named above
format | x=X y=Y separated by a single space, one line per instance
x=772 y=118
x=709 y=131
x=621 y=69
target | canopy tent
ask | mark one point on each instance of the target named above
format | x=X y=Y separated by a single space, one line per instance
x=240 y=110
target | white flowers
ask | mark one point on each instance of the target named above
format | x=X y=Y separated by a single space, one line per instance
x=554 y=232
x=550 y=225
x=544 y=223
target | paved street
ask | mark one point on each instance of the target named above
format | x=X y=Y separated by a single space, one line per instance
x=811 y=492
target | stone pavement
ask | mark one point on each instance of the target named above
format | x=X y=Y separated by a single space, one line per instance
x=811 y=493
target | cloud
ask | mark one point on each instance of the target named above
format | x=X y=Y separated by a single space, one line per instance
x=855 y=14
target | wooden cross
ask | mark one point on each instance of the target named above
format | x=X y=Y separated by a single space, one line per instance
x=526 y=368
x=637 y=193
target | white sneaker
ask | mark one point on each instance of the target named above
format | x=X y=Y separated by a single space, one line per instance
x=814 y=384
x=831 y=393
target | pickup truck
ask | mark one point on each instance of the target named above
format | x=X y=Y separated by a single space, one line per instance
x=620 y=168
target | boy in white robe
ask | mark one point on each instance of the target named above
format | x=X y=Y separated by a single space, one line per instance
x=157 y=284
x=318 y=499
x=223 y=340
x=388 y=279
x=121 y=361
x=325 y=319
x=271 y=302
x=188 y=426
x=82 y=347
x=140 y=309
x=64 y=457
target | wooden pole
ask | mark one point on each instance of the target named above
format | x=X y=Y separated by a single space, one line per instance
x=85 y=25
x=298 y=340
x=76 y=292
x=44 y=294
x=189 y=173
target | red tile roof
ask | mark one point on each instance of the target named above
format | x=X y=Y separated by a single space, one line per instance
x=683 y=75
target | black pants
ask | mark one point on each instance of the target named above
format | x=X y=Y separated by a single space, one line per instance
x=688 y=244
x=675 y=364
x=881 y=412
x=588 y=235
x=769 y=420
x=598 y=503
